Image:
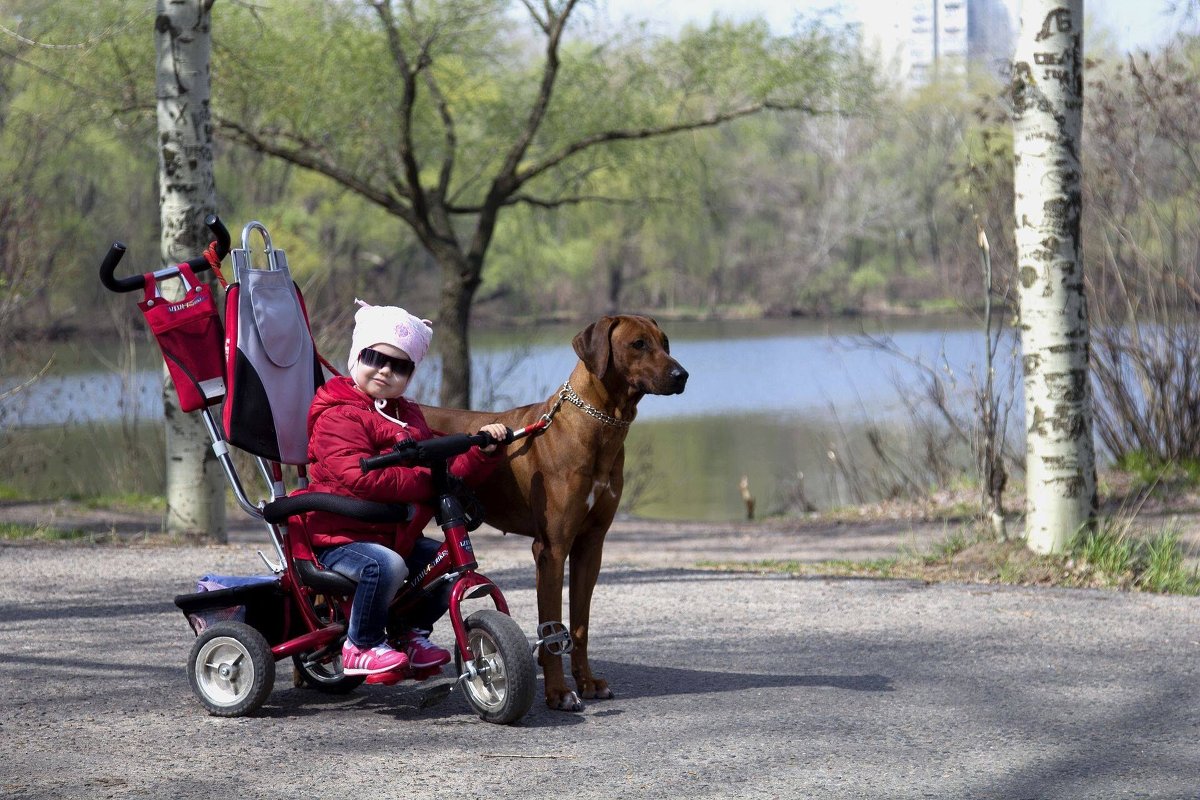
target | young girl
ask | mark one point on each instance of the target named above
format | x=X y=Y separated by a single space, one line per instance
x=363 y=415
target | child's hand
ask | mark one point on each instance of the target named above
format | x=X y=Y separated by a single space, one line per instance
x=497 y=431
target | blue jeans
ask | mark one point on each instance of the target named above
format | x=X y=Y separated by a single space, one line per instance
x=379 y=572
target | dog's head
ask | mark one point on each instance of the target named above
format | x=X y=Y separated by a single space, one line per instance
x=635 y=349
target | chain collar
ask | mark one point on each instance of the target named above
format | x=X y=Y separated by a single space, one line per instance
x=568 y=394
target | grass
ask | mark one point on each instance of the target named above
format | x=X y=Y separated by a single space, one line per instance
x=1148 y=470
x=1153 y=563
x=131 y=501
x=876 y=568
x=1163 y=569
x=12 y=531
x=1109 y=557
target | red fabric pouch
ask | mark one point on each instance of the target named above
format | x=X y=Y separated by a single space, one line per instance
x=191 y=339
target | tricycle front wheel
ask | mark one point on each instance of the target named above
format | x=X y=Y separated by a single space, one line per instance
x=500 y=681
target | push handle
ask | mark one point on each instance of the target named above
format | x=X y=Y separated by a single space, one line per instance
x=429 y=451
x=135 y=282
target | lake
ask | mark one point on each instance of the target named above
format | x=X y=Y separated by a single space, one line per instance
x=793 y=405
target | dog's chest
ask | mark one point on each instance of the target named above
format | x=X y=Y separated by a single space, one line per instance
x=604 y=489
x=601 y=489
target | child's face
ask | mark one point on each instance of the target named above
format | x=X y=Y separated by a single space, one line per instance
x=383 y=382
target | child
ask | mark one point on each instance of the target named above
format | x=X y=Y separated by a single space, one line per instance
x=363 y=415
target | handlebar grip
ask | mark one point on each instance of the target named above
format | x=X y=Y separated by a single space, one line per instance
x=426 y=451
x=371 y=463
x=134 y=282
x=446 y=447
x=111 y=259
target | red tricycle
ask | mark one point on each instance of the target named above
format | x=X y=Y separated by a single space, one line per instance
x=301 y=609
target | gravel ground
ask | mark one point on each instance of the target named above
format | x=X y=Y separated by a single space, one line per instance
x=727 y=686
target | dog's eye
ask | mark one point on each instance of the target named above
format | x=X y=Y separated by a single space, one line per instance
x=639 y=344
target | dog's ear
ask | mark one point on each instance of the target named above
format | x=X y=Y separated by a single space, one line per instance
x=593 y=346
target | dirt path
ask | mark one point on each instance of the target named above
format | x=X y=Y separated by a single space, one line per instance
x=727 y=686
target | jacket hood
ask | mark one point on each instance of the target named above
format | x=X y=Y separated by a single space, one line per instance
x=341 y=391
x=337 y=391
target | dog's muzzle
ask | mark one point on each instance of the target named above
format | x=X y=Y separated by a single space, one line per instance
x=677 y=379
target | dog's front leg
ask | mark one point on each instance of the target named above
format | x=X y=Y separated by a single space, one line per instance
x=585 y=569
x=550 y=560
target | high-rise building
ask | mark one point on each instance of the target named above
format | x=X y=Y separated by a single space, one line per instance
x=925 y=40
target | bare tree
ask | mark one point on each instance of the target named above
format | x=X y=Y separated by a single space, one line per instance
x=1047 y=120
x=1145 y=273
x=450 y=196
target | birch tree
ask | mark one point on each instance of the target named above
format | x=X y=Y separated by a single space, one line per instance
x=183 y=43
x=1047 y=120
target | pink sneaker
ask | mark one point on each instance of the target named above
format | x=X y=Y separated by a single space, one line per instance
x=372 y=661
x=422 y=653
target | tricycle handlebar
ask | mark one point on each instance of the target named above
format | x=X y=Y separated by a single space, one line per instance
x=135 y=282
x=429 y=451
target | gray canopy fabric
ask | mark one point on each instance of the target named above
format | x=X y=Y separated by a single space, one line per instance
x=273 y=370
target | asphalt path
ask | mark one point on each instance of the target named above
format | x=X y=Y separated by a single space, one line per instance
x=726 y=686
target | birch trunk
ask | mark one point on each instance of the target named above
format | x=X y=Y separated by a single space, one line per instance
x=195 y=484
x=1047 y=120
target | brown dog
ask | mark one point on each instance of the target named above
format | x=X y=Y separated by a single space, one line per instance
x=563 y=486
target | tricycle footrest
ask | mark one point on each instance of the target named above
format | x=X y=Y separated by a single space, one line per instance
x=554 y=637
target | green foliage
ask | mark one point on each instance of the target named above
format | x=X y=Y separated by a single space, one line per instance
x=1152 y=563
x=1163 y=569
x=12 y=531
x=130 y=501
x=1108 y=549
x=954 y=542
x=705 y=219
x=870 y=206
x=1105 y=559
x=1149 y=470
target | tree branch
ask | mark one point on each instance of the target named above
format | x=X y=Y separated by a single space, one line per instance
x=604 y=137
x=542 y=23
x=554 y=30
x=303 y=155
x=558 y=202
x=412 y=172
x=450 y=136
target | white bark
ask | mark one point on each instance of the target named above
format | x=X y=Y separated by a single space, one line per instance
x=1047 y=120
x=194 y=481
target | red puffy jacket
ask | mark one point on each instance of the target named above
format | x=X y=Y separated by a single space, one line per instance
x=344 y=426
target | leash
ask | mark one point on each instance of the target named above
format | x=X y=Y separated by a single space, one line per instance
x=568 y=395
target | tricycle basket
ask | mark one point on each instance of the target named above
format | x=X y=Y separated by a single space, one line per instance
x=258 y=604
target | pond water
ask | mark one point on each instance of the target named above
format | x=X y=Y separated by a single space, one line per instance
x=776 y=401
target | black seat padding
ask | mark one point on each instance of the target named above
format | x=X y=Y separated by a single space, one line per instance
x=325 y=580
x=278 y=511
x=310 y=573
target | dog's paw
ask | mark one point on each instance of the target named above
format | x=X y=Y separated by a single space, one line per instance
x=596 y=689
x=564 y=701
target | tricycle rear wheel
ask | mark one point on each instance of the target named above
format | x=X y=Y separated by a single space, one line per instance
x=502 y=677
x=231 y=669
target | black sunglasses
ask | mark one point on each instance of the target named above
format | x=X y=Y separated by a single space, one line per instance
x=377 y=360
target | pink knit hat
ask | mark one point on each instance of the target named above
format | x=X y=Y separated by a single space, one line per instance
x=389 y=325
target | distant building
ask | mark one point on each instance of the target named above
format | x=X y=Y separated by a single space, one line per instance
x=925 y=40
